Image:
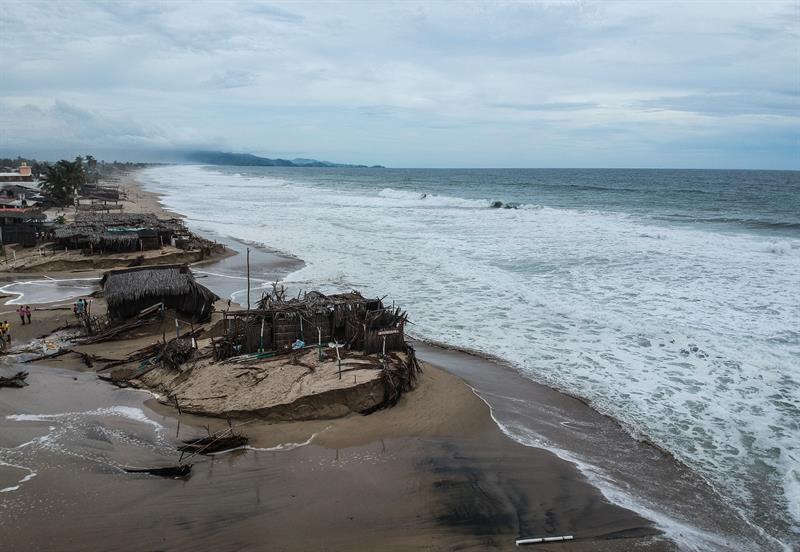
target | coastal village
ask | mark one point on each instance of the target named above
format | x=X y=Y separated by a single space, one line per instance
x=151 y=325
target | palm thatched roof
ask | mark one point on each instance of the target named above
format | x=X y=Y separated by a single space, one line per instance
x=108 y=228
x=130 y=290
x=128 y=219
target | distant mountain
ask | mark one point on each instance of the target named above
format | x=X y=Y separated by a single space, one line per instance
x=250 y=160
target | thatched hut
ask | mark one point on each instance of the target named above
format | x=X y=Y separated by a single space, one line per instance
x=129 y=291
x=355 y=322
x=118 y=232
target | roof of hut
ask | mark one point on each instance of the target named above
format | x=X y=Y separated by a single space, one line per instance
x=135 y=284
x=128 y=219
x=111 y=227
x=310 y=300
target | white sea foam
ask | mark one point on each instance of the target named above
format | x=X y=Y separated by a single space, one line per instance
x=690 y=338
x=30 y=475
x=285 y=446
x=129 y=412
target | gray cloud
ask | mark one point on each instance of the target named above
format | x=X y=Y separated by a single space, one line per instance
x=412 y=83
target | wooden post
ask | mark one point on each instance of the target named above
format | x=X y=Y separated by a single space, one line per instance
x=261 y=344
x=177 y=327
x=248 y=278
x=319 y=337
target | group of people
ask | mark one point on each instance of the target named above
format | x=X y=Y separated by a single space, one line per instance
x=24 y=313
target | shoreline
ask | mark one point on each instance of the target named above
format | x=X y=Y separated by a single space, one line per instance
x=628 y=483
x=350 y=431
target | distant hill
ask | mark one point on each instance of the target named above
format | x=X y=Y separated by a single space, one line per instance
x=250 y=160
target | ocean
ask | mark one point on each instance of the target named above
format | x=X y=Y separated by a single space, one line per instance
x=667 y=299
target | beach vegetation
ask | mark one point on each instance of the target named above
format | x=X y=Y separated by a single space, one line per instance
x=59 y=181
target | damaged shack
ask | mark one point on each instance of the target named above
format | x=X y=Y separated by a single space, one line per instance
x=313 y=357
x=349 y=319
x=118 y=232
x=131 y=290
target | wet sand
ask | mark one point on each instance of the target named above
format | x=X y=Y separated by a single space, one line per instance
x=432 y=473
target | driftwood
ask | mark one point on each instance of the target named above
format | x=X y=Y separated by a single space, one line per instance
x=212 y=443
x=176 y=472
x=17 y=380
x=142 y=319
x=398 y=378
x=48 y=356
x=216 y=442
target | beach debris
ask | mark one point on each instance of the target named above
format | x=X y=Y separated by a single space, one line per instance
x=176 y=472
x=173 y=354
x=17 y=380
x=542 y=540
x=213 y=443
x=220 y=441
x=180 y=350
x=145 y=316
x=398 y=377
x=48 y=356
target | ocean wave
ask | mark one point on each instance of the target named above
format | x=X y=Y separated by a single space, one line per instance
x=671 y=336
x=425 y=199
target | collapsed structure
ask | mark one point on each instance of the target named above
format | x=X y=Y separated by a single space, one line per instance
x=132 y=290
x=348 y=319
x=311 y=357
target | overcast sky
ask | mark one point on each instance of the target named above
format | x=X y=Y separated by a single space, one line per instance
x=431 y=84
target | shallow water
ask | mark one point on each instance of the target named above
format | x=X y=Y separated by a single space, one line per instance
x=662 y=297
x=48 y=290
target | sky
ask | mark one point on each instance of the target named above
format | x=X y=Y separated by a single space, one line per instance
x=407 y=84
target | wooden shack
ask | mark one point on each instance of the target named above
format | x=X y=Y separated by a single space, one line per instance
x=348 y=319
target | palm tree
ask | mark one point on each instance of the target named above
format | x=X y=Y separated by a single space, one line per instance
x=59 y=182
x=91 y=169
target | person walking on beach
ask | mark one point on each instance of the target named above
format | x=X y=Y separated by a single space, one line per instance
x=28 y=313
x=21 y=313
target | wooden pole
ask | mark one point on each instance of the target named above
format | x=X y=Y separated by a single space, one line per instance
x=248 y=278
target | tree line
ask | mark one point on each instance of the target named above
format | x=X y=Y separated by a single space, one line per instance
x=60 y=181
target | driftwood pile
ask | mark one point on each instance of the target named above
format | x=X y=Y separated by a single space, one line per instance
x=213 y=443
x=398 y=378
x=173 y=354
x=142 y=319
x=17 y=380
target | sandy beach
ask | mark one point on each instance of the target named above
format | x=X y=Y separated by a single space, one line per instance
x=435 y=472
